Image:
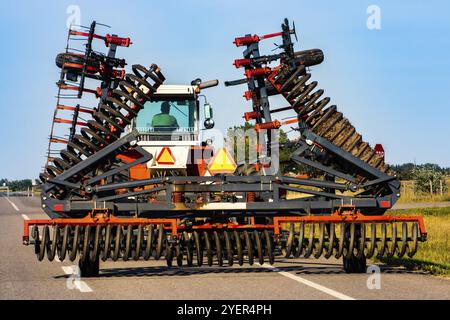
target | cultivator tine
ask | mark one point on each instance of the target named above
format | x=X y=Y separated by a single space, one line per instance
x=352 y=240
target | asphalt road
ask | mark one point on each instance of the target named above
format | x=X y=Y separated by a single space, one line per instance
x=23 y=277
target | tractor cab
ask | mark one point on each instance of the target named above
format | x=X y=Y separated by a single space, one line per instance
x=169 y=126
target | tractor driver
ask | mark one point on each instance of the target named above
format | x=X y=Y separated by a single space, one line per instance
x=164 y=121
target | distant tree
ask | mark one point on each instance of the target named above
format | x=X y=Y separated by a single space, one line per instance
x=429 y=179
x=286 y=148
x=16 y=185
x=406 y=171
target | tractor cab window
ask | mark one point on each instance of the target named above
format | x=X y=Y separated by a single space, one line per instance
x=168 y=119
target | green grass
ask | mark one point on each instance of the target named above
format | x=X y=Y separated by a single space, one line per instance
x=433 y=255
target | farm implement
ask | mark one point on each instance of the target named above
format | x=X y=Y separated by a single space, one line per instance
x=135 y=180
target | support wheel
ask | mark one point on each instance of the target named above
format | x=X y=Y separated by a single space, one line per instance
x=355 y=264
x=89 y=268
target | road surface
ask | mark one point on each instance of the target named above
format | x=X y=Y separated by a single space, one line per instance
x=23 y=277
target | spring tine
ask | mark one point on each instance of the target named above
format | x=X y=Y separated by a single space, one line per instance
x=228 y=247
x=218 y=246
x=62 y=250
x=351 y=242
x=51 y=245
x=362 y=241
x=404 y=247
x=105 y=250
x=240 y=254
x=290 y=241
x=373 y=241
x=301 y=240
x=341 y=243
x=139 y=243
x=149 y=242
x=331 y=240
x=382 y=249
x=44 y=245
x=198 y=248
x=160 y=242
x=179 y=254
x=311 y=241
x=248 y=247
x=414 y=238
x=188 y=246
x=269 y=247
x=319 y=250
x=37 y=241
x=127 y=251
x=117 y=243
x=393 y=247
x=96 y=242
x=209 y=254
x=258 y=246
x=74 y=247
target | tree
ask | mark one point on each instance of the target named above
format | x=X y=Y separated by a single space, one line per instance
x=428 y=179
x=16 y=185
x=240 y=135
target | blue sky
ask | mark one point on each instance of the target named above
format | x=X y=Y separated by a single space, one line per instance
x=392 y=83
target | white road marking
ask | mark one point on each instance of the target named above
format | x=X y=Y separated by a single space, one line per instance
x=13 y=204
x=25 y=217
x=79 y=284
x=311 y=284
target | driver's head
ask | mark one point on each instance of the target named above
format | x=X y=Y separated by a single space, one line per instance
x=165 y=107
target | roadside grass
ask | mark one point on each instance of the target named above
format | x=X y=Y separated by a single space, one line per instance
x=432 y=255
x=408 y=194
x=411 y=197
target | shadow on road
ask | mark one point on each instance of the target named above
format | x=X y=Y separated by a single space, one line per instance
x=296 y=267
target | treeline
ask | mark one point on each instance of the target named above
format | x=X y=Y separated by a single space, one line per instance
x=407 y=171
x=16 y=185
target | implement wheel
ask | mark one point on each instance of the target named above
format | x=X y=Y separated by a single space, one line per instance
x=355 y=264
x=88 y=267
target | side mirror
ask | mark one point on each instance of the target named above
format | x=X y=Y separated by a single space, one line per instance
x=208 y=112
x=207 y=109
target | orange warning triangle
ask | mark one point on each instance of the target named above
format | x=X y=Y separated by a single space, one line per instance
x=165 y=156
x=222 y=162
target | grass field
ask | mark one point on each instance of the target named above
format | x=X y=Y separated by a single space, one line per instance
x=408 y=194
x=434 y=254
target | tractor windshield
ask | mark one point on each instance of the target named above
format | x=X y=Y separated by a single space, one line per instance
x=170 y=118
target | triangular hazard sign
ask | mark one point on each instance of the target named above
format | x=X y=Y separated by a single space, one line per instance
x=222 y=162
x=165 y=156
